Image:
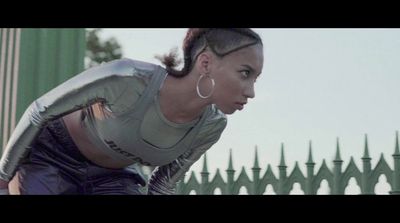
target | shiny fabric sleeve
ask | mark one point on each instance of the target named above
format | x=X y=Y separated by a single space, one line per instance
x=164 y=178
x=103 y=83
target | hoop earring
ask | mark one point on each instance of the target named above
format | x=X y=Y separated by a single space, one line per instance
x=198 y=88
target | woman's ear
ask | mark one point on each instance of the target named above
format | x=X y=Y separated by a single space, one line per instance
x=204 y=63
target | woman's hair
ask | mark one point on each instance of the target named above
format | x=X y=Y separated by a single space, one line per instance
x=221 y=41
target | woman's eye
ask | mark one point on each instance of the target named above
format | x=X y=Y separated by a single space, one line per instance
x=245 y=73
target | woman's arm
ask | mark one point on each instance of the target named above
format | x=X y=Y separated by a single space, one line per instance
x=103 y=83
x=164 y=178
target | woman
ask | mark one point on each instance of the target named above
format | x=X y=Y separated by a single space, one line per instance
x=80 y=137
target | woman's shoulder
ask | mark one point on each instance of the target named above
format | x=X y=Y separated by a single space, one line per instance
x=139 y=72
x=216 y=115
x=137 y=64
x=215 y=123
x=133 y=67
x=132 y=78
x=216 y=119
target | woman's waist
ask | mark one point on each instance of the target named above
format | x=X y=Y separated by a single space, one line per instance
x=87 y=148
x=99 y=157
x=109 y=143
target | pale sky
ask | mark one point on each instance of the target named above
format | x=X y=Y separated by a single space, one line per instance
x=317 y=84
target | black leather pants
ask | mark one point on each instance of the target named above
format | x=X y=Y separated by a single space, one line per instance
x=56 y=166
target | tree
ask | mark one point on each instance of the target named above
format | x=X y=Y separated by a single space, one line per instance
x=99 y=51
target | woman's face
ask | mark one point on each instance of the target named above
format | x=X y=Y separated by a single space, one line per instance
x=235 y=75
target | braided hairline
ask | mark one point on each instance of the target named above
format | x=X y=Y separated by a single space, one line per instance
x=244 y=32
x=188 y=60
x=204 y=33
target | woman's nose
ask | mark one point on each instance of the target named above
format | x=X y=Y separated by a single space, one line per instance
x=249 y=91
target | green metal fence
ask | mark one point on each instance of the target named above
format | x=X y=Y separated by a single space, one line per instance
x=33 y=61
x=337 y=178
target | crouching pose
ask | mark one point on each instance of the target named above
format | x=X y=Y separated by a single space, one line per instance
x=81 y=137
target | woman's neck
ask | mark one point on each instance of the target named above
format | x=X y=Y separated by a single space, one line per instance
x=179 y=101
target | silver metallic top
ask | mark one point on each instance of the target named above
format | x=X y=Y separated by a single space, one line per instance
x=127 y=89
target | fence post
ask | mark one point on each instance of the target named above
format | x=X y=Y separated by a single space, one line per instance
x=282 y=175
x=337 y=172
x=204 y=177
x=256 y=175
x=366 y=188
x=396 y=171
x=336 y=184
x=310 y=173
x=180 y=185
x=230 y=172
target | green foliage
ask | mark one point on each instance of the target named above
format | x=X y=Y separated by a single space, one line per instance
x=98 y=50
